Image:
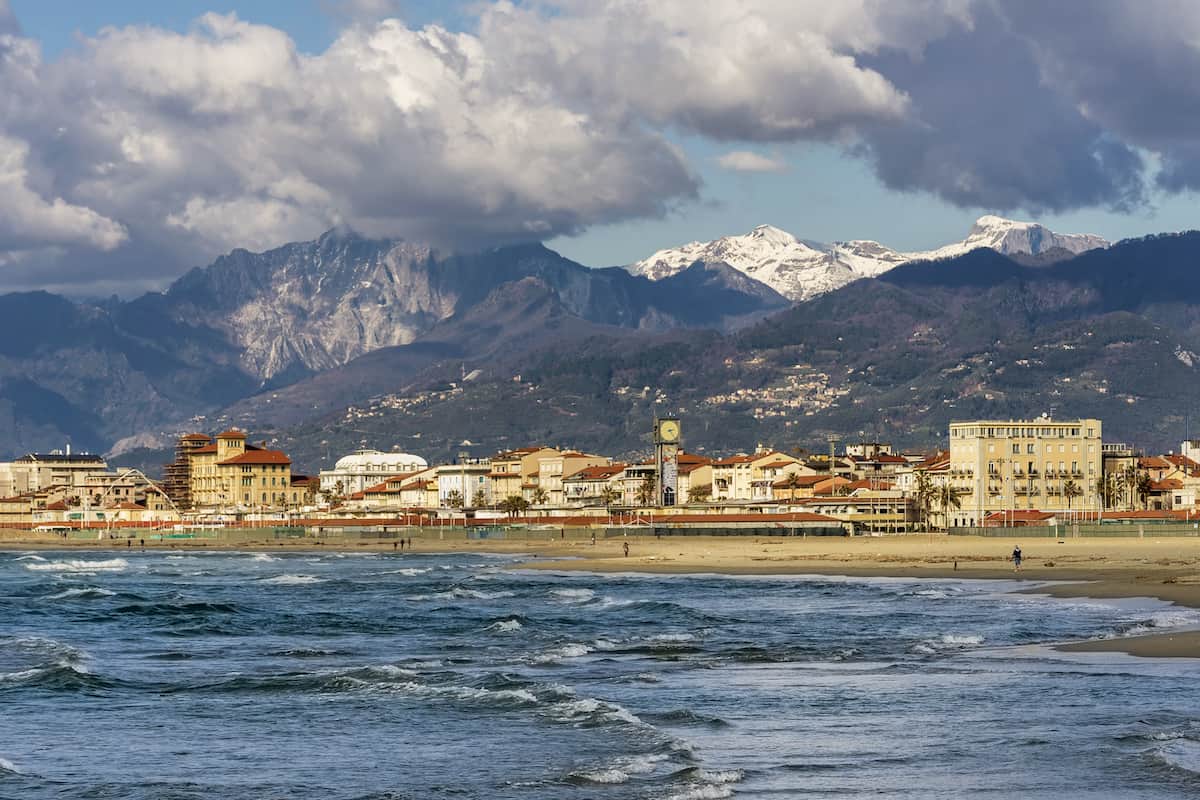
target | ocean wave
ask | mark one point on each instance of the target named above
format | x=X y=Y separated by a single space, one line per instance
x=605 y=775
x=460 y=593
x=83 y=592
x=292 y=580
x=62 y=676
x=589 y=711
x=1174 y=618
x=79 y=565
x=684 y=716
x=573 y=595
x=306 y=652
x=706 y=791
x=505 y=626
x=9 y=767
x=1179 y=754
x=947 y=641
x=557 y=654
x=29 y=557
x=262 y=557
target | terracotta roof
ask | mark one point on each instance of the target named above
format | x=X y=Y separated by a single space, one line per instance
x=887 y=458
x=259 y=457
x=775 y=464
x=802 y=481
x=1154 y=462
x=732 y=460
x=1166 y=485
x=194 y=437
x=596 y=473
x=130 y=507
x=208 y=448
x=689 y=468
x=59 y=506
x=231 y=434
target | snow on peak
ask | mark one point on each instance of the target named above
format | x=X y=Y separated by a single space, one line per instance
x=799 y=271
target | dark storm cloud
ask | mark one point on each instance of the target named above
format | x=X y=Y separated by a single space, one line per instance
x=143 y=151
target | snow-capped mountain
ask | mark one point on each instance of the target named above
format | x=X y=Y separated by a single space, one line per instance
x=799 y=270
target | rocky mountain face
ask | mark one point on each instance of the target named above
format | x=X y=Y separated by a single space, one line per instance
x=801 y=270
x=133 y=373
x=1113 y=333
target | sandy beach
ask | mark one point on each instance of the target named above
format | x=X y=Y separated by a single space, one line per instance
x=1166 y=568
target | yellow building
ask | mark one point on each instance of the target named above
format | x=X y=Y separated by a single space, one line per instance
x=515 y=469
x=1043 y=464
x=229 y=473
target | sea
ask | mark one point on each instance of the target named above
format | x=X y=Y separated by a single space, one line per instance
x=184 y=675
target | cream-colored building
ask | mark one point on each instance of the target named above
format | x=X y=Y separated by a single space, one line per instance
x=232 y=474
x=999 y=465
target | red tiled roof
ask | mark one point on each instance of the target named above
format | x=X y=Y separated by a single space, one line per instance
x=1154 y=462
x=1166 y=485
x=732 y=460
x=886 y=458
x=59 y=506
x=775 y=464
x=257 y=456
x=596 y=473
x=194 y=437
x=208 y=448
x=802 y=481
x=231 y=434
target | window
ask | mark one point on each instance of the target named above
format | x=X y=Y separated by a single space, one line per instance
x=1016 y=448
x=1029 y=448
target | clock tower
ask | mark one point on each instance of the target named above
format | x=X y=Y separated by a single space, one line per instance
x=666 y=460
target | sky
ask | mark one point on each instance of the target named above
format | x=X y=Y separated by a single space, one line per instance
x=140 y=138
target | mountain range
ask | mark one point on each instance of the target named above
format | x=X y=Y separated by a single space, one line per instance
x=323 y=346
x=800 y=270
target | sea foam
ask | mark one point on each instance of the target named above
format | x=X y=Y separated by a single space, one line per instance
x=78 y=565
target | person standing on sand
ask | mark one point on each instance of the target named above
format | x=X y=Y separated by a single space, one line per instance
x=626 y=546
x=1016 y=558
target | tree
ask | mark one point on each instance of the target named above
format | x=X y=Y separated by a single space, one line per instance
x=539 y=496
x=1144 y=486
x=1131 y=482
x=948 y=497
x=514 y=505
x=645 y=492
x=1119 y=484
x=454 y=499
x=924 y=492
x=1106 y=489
x=1071 y=490
x=700 y=493
x=610 y=495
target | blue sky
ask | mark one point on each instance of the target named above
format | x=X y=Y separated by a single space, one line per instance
x=827 y=187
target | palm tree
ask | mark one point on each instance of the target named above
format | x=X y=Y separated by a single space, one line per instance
x=1071 y=490
x=538 y=496
x=1118 y=487
x=1131 y=482
x=454 y=499
x=645 y=492
x=610 y=495
x=924 y=495
x=514 y=505
x=698 y=494
x=1105 y=489
x=948 y=497
x=1144 y=486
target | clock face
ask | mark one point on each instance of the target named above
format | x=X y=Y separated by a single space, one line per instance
x=669 y=430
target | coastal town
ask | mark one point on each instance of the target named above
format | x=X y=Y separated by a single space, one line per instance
x=996 y=473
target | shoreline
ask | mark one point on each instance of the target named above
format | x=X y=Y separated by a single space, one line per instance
x=1165 y=569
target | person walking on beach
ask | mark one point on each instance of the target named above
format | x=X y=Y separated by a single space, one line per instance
x=626 y=547
x=1016 y=558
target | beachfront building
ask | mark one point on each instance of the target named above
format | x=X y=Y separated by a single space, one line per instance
x=515 y=472
x=464 y=485
x=593 y=486
x=552 y=469
x=1039 y=464
x=38 y=471
x=228 y=473
x=365 y=468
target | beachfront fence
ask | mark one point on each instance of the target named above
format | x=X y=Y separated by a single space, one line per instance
x=1121 y=529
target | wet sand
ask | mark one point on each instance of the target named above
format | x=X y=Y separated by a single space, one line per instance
x=1167 y=568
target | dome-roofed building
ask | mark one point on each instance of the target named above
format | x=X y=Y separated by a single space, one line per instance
x=365 y=468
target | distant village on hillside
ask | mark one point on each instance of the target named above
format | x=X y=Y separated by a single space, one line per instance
x=996 y=473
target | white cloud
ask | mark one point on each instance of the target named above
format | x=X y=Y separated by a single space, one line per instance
x=749 y=161
x=556 y=115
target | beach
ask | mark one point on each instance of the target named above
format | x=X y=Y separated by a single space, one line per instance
x=1165 y=568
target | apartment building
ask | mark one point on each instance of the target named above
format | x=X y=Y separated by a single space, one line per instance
x=1040 y=464
x=228 y=473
